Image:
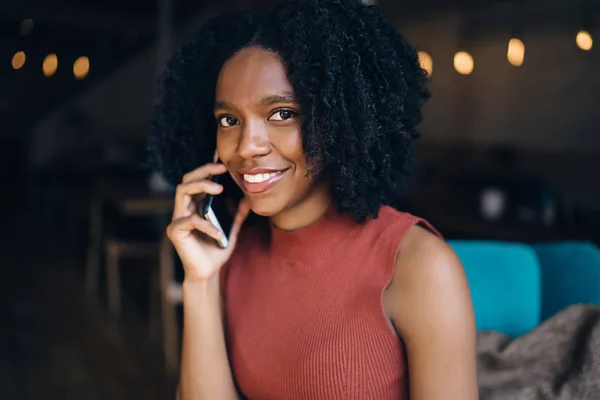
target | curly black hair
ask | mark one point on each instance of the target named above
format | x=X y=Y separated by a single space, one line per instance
x=357 y=80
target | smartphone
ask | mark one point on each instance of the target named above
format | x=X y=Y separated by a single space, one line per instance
x=215 y=210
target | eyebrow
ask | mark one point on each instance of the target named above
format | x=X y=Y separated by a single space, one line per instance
x=267 y=101
x=277 y=98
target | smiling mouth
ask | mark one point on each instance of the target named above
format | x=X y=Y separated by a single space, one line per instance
x=258 y=178
x=261 y=182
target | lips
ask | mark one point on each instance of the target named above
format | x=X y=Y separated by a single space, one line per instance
x=259 y=180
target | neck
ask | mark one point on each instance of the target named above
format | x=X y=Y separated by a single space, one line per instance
x=305 y=213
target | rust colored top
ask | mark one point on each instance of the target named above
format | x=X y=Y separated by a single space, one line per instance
x=304 y=313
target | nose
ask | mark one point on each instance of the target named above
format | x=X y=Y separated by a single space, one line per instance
x=254 y=141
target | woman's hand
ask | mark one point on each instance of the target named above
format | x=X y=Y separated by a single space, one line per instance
x=191 y=234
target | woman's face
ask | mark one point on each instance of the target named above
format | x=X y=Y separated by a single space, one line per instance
x=258 y=136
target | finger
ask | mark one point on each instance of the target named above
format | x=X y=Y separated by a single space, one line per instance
x=204 y=172
x=241 y=215
x=184 y=227
x=184 y=195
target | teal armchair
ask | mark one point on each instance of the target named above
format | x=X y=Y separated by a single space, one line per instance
x=504 y=279
x=515 y=286
x=570 y=275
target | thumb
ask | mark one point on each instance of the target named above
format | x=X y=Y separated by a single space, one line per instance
x=242 y=213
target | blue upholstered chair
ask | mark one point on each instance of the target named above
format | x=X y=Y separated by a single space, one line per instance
x=504 y=279
x=570 y=274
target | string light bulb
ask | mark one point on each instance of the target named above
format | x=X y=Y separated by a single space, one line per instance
x=584 y=40
x=50 y=65
x=18 y=60
x=464 y=63
x=81 y=67
x=426 y=62
x=516 y=52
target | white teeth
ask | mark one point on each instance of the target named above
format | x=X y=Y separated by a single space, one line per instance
x=260 y=177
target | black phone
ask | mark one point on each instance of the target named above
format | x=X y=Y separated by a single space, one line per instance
x=216 y=210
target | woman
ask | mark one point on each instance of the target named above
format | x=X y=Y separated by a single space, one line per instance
x=329 y=293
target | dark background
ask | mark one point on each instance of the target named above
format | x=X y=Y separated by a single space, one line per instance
x=528 y=135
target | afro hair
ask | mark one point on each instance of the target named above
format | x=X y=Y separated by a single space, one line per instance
x=357 y=80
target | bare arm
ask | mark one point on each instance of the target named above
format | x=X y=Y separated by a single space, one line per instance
x=430 y=306
x=205 y=370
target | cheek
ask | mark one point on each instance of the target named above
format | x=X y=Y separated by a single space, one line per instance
x=226 y=146
x=289 y=144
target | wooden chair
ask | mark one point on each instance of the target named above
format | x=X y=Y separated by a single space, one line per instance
x=115 y=251
x=165 y=292
x=115 y=248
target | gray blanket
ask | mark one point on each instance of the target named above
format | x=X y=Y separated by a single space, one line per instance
x=560 y=359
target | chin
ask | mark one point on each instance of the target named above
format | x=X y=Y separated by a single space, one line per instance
x=265 y=208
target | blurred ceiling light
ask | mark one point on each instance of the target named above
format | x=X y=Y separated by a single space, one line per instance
x=584 y=40
x=18 y=60
x=463 y=63
x=81 y=67
x=516 y=52
x=26 y=26
x=369 y=2
x=426 y=62
x=50 y=65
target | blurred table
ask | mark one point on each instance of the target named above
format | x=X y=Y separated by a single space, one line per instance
x=130 y=201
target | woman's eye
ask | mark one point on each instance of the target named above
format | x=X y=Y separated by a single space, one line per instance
x=282 y=115
x=227 y=121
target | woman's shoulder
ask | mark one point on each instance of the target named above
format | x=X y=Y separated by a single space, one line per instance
x=415 y=236
x=391 y=233
x=416 y=246
x=425 y=265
